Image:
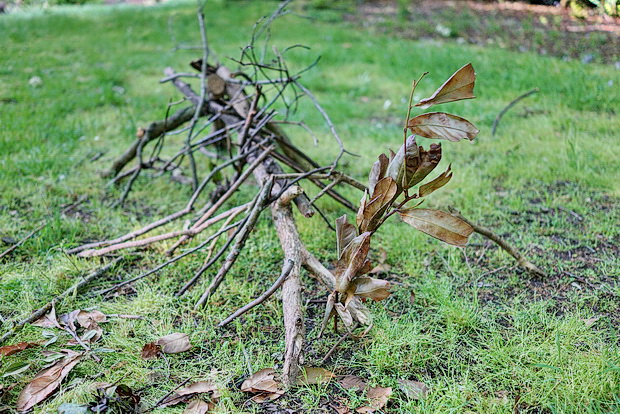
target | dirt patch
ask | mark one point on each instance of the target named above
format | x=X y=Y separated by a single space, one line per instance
x=547 y=30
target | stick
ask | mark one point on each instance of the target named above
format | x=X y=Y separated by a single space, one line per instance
x=174 y=259
x=239 y=243
x=286 y=270
x=510 y=105
x=521 y=261
x=75 y=288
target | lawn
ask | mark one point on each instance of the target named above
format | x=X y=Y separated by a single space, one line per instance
x=481 y=334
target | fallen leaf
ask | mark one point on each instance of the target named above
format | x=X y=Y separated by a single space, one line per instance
x=48 y=320
x=46 y=382
x=414 y=390
x=13 y=349
x=459 y=86
x=314 y=375
x=378 y=398
x=435 y=223
x=381 y=268
x=352 y=382
x=150 y=350
x=198 y=407
x=264 y=384
x=442 y=126
x=186 y=393
x=174 y=343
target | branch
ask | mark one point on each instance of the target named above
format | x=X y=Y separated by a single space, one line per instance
x=286 y=270
x=507 y=108
x=521 y=261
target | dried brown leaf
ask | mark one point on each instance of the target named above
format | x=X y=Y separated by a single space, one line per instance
x=46 y=382
x=263 y=381
x=186 y=393
x=436 y=183
x=407 y=158
x=442 y=126
x=174 y=343
x=414 y=390
x=359 y=218
x=378 y=398
x=379 y=168
x=459 y=86
x=344 y=314
x=352 y=382
x=369 y=287
x=384 y=193
x=198 y=407
x=150 y=350
x=14 y=349
x=359 y=312
x=314 y=375
x=345 y=232
x=352 y=261
x=442 y=226
x=426 y=163
x=48 y=320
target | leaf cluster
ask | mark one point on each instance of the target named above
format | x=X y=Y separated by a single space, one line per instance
x=396 y=185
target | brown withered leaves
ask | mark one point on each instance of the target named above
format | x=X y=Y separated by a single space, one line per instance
x=442 y=226
x=458 y=87
x=170 y=344
x=47 y=381
x=14 y=349
x=442 y=125
x=264 y=384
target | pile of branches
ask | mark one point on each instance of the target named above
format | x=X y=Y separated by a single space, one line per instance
x=232 y=130
x=231 y=121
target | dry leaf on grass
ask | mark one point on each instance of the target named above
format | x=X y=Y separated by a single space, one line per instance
x=13 y=349
x=174 y=343
x=48 y=320
x=186 y=393
x=46 y=382
x=314 y=375
x=459 y=86
x=150 y=350
x=264 y=384
x=413 y=389
x=198 y=407
x=352 y=382
x=378 y=398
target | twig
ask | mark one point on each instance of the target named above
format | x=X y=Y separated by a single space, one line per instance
x=239 y=243
x=507 y=108
x=286 y=270
x=73 y=289
x=521 y=261
x=337 y=344
x=174 y=259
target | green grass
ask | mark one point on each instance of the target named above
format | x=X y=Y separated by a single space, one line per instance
x=482 y=335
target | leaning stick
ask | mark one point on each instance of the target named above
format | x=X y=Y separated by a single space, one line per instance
x=507 y=108
x=188 y=208
x=231 y=190
x=286 y=270
x=239 y=243
x=521 y=261
x=73 y=289
x=161 y=237
x=174 y=259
